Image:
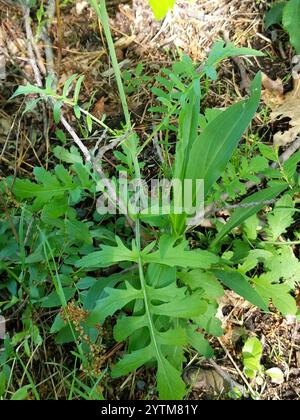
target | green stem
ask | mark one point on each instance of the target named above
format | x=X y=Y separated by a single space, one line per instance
x=103 y=15
x=145 y=295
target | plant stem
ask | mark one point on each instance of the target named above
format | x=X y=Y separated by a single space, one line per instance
x=103 y=15
x=145 y=295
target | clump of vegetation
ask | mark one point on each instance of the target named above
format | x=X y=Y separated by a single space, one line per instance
x=132 y=280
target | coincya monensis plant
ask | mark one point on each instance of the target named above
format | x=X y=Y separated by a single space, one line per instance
x=172 y=300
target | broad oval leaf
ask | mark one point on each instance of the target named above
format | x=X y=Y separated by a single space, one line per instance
x=213 y=149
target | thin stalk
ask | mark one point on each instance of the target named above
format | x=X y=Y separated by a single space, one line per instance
x=103 y=15
x=145 y=295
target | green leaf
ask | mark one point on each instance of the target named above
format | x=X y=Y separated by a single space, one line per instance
x=77 y=89
x=77 y=111
x=54 y=300
x=57 y=111
x=97 y=290
x=209 y=322
x=116 y=299
x=212 y=150
x=161 y=7
x=109 y=255
x=274 y=15
x=238 y=283
x=199 y=343
x=27 y=90
x=22 y=393
x=250 y=227
x=47 y=187
x=279 y=293
x=89 y=123
x=242 y=214
x=132 y=361
x=169 y=382
x=179 y=256
x=55 y=209
x=49 y=83
x=207 y=281
x=68 y=84
x=126 y=326
x=284 y=265
x=281 y=217
x=161 y=335
x=72 y=156
x=252 y=353
x=221 y=51
x=31 y=105
x=79 y=231
x=291 y=22
x=188 y=307
x=61 y=135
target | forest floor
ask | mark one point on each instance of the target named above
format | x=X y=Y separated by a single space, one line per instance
x=78 y=45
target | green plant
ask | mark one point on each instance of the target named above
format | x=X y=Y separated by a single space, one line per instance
x=252 y=354
x=287 y=13
x=163 y=295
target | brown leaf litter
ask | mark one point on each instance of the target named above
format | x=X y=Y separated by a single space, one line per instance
x=191 y=26
x=283 y=106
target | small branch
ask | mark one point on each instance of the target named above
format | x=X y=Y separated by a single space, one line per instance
x=244 y=205
x=82 y=147
x=35 y=68
x=30 y=43
x=245 y=79
x=288 y=153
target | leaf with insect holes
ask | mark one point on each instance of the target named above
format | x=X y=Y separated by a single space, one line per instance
x=284 y=265
x=77 y=89
x=279 y=293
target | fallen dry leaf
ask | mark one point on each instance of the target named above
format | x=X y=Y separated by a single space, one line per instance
x=272 y=86
x=214 y=382
x=283 y=106
x=99 y=108
x=81 y=6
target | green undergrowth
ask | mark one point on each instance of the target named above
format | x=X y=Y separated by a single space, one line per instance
x=90 y=281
